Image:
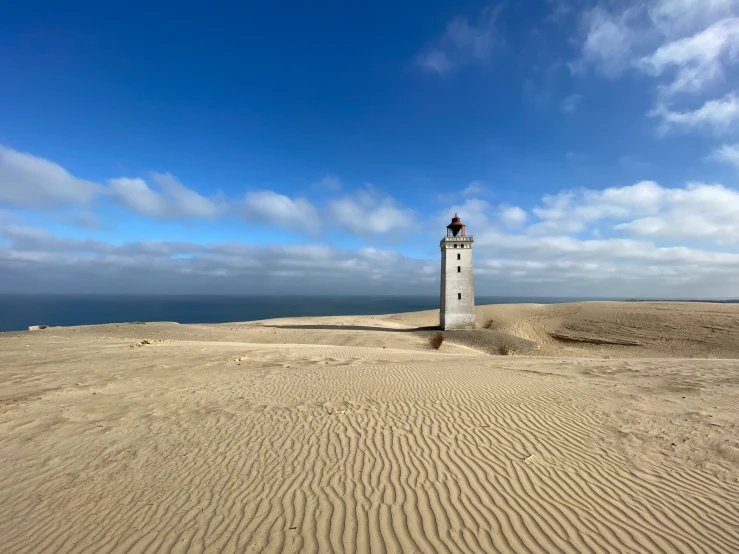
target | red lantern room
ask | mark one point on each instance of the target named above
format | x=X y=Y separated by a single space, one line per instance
x=454 y=228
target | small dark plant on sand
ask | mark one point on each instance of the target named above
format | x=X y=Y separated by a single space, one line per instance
x=436 y=340
x=505 y=350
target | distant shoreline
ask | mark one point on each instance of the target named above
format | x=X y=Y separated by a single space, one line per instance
x=479 y=299
x=727 y=301
x=18 y=313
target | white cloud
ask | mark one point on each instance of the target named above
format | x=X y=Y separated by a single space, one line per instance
x=572 y=211
x=609 y=39
x=463 y=43
x=30 y=181
x=33 y=182
x=294 y=214
x=697 y=59
x=686 y=46
x=136 y=195
x=511 y=257
x=685 y=238
x=331 y=182
x=36 y=260
x=174 y=201
x=569 y=249
x=654 y=36
x=186 y=202
x=480 y=215
x=86 y=220
x=39 y=261
x=24 y=233
x=35 y=239
x=369 y=212
x=435 y=61
x=561 y=9
x=475 y=187
x=697 y=212
x=571 y=103
x=680 y=17
x=7 y=217
x=474 y=212
x=512 y=216
x=715 y=116
x=728 y=153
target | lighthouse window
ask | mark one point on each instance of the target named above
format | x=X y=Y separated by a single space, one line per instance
x=459 y=269
x=459 y=296
x=455 y=246
x=459 y=256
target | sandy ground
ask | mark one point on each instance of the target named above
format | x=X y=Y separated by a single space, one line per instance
x=613 y=428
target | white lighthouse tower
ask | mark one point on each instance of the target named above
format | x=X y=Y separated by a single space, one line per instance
x=457 y=287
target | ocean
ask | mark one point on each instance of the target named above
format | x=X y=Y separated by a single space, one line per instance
x=18 y=312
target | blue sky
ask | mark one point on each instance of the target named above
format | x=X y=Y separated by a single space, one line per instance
x=591 y=146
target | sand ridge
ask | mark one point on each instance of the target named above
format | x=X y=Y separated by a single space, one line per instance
x=224 y=439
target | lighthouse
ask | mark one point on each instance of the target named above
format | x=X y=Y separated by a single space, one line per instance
x=457 y=287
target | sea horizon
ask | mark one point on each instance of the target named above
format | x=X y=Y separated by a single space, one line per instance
x=19 y=311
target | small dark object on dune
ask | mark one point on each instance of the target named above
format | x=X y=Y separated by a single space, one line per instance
x=436 y=340
x=505 y=350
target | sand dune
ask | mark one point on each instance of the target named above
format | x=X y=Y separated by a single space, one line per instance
x=352 y=435
x=632 y=329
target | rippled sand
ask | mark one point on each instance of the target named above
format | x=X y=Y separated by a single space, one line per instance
x=281 y=436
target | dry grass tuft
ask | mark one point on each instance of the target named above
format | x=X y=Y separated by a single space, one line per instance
x=505 y=350
x=436 y=340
